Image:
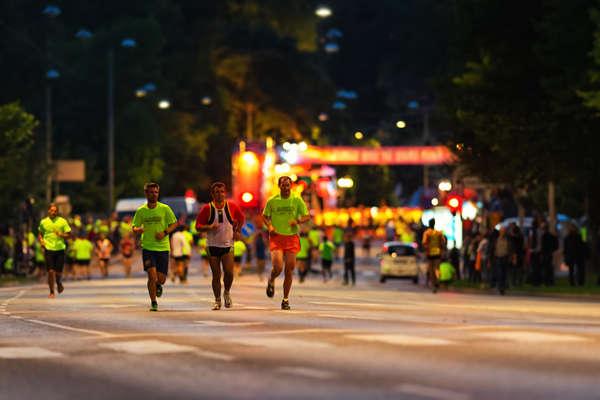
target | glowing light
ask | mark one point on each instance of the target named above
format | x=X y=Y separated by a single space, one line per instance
x=282 y=168
x=247 y=197
x=164 y=104
x=445 y=186
x=323 y=12
x=345 y=182
x=453 y=202
x=302 y=146
x=374 y=211
x=323 y=117
x=206 y=101
x=469 y=210
x=140 y=93
x=435 y=201
x=401 y=124
x=358 y=135
x=287 y=146
x=249 y=159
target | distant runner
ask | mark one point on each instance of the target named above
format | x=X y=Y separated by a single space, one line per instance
x=222 y=220
x=52 y=232
x=434 y=243
x=283 y=214
x=155 y=221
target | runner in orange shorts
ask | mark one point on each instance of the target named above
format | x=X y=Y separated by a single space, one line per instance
x=283 y=214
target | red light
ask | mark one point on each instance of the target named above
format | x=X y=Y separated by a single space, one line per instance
x=247 y=197
x=454 y=203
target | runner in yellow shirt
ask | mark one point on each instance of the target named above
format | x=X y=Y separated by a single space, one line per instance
x=52 y=232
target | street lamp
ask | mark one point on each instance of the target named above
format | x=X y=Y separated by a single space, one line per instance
x=401 y=124
x=323 y=11
x=445 y=186
x=164 y=104
x=358 y=135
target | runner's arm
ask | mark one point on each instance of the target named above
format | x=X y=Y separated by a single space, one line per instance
x=202 y=219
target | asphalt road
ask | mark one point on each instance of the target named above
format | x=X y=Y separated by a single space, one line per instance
x=98 y=340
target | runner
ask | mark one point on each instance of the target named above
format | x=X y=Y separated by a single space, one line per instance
x=326 y=251
x=283 y=214
x=104 y=249
x=434 y=243
x=222 y=220
x=181 y=250
x=83 y=254
x=52 y=232
x=127 y=245
x=239 y=249
x=155 y=221
x=303 y=256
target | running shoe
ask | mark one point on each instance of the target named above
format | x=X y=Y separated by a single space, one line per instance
x=51 y=296
x=285 y=304
x=217 y=305
x=154 y=306
x=270 y=289
x=159 y=290
x=227 y=300
x=60 y=287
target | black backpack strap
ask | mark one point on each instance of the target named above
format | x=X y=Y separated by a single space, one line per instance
x=228 y=213
x=211 y=217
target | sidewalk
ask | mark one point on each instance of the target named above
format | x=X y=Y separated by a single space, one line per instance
x=561 y=290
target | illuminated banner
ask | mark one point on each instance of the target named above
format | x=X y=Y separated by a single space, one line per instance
x=393 y=155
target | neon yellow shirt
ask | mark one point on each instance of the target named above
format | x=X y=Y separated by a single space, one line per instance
x=239 y=248
x=83 y=249
x=282 y=211
x=304 y=247
x=189 y=239
x=47 y=229
x=446 y=271
x=314 y=235
x=154 y=220
x=202 y=246
x=326 y=249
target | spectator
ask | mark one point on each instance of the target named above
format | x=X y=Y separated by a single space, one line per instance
x=574 y=256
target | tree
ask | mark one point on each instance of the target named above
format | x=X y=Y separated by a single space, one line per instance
x=16 y=134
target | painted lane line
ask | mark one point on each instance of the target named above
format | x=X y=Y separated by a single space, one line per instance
x=68 y=328
x=430 y=392
x=280 y=343
x=27 y=352
x=307 y=372
x=350 y=317
x=222 y=323
x=400 y=339
x=307 y=330
x=532 y=337
x=214 y=356
x=140 y=347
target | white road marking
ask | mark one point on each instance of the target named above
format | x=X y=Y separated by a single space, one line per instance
x=399 y=339
x=223 y=323
x=68 y=328
x=214 y=356
x=430 y=392
x=27 y=352
x=308 y=372
x=148 y=347
x=307 y=330
x=117 y=305
x=532 y=337
x=280 y=343
x=338 y=303
x=350 y=317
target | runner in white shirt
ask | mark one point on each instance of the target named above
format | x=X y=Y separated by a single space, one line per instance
x=222 y=220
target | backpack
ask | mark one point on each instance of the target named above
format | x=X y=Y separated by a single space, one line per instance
x=214 y=212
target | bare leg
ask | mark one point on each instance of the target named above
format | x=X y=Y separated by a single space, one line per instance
x=152 y=279
x=215 y=266
x=277 y=261
x=51 y=279
x=290 y=264
x=228 y=272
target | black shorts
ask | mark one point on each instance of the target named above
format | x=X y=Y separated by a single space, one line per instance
x=82 y=262
x=237 y=259
x=55 y=260
x=326 y=263
x=69 y=260
x=214 y=251
x=434 y=257
x=105 y=260
x=182 y=258
x=156 y=259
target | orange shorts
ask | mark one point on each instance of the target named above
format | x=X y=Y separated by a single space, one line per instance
x=287 y=243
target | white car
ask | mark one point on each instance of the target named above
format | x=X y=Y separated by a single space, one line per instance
x=398 y=260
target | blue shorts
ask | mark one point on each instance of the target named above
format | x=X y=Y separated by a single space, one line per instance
x=156 y=259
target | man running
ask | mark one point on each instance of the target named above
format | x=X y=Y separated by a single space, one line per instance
x=222 y=220
x=433 y=242
x=283 y=214
x=52 y=232
x=155 y=221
